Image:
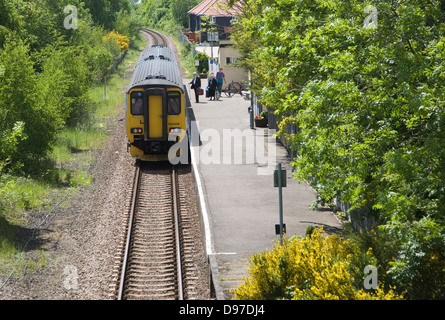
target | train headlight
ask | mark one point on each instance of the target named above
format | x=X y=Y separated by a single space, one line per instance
x=136 y=130
x=174 y=134
x=175 y=130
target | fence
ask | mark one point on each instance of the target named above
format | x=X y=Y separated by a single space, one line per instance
x=273 y=123
x=358 y=218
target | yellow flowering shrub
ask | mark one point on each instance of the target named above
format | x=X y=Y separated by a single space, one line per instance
x=122 y=41
x=314 y=267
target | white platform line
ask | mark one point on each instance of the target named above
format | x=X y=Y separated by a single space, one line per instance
x=205 y=216
x=224 y=253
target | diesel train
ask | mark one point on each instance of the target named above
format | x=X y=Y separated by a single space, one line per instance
x=156 y=108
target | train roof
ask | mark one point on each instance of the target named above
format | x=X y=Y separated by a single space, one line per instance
x=157 y=52
x=156 y=71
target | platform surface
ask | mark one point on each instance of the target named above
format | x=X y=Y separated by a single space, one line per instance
x=240 y=199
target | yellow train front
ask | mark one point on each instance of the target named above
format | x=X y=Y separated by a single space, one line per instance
x=156 y=106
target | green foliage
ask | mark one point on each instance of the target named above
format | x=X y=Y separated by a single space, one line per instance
x=46 y=70
x=419 y=265
x=203 y=61
x=20 y=103
x=171 y=14
x=179 y=9
x=9 y=140
x=64 y=83
x=20 y=194
x=128 y=22
x=106 y=12
x=312 y=268
x=99 y=54
x=157 y=12
x=369 y=105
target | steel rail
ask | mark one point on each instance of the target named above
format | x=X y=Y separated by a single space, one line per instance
x=177 y=235
x=157 y=37
x=176 y=220
x=130 y=228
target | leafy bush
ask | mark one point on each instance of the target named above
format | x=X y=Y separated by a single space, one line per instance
x=203 y=61
x=314 y=267
x=121 y=40
x=128 y=23
x=9 y=139
x=419 y=264
x=21 y=103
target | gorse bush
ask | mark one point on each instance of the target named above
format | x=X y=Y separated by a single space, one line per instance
x=121 y=40
x=314 y=267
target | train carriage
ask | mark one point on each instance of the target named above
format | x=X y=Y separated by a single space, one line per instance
x=157 y=52
x=156 y=106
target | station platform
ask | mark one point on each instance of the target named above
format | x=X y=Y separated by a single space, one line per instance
x=239 y=202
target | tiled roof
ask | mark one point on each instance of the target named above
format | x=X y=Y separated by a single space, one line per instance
x=213 y=8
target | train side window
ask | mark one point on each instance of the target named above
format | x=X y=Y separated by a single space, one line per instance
x=137 y=103
x=174 y=102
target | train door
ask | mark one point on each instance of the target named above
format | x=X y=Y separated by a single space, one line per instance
x=155 y=115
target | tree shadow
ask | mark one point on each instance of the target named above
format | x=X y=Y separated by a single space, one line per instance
x=21 y=238
x=30 y=239
x=328 y=229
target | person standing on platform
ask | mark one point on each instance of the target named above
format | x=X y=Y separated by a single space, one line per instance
x=212 y=86
x=196 y=85
x=220 y=78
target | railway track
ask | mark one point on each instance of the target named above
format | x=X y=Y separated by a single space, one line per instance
x=158 y=260
x=157 y=38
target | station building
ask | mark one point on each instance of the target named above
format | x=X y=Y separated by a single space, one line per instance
x=211 y=24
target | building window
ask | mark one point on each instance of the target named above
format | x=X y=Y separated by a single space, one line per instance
x=212 y=36
x=230 y=60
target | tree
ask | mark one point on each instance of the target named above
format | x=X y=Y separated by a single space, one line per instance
x=21 y=104
x=368 y=103
x=105 y=12
x=179 y=9
x=45 y=72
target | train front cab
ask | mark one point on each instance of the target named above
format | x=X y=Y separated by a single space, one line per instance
x=155 y=121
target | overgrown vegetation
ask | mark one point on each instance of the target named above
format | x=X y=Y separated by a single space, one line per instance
x=52 y=107
x=47 y=68
x=312 y=268
x=363 y=83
